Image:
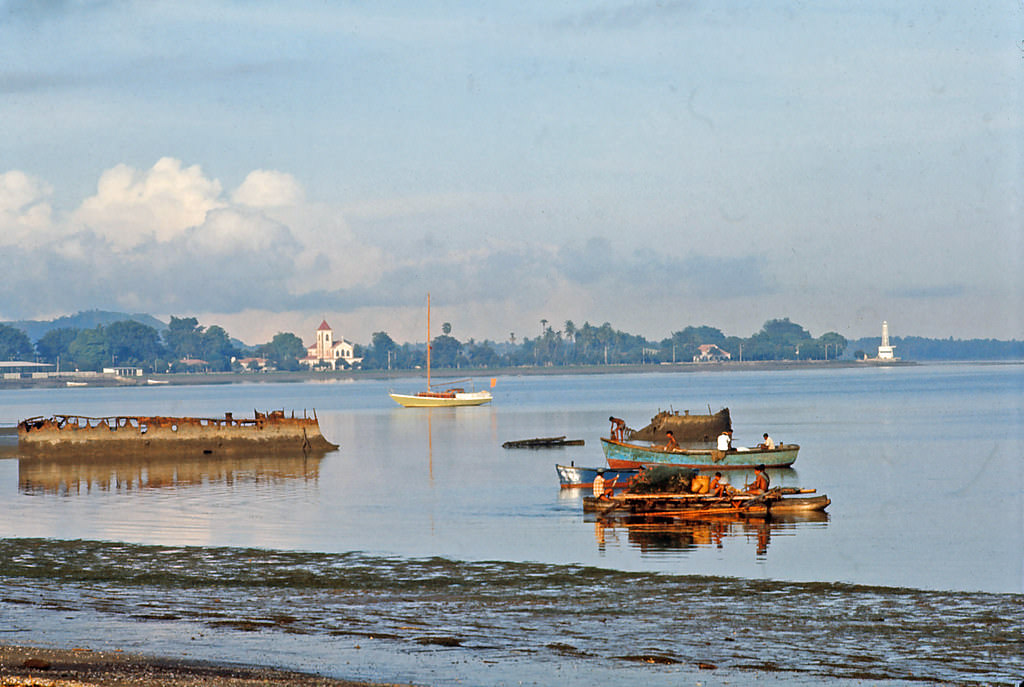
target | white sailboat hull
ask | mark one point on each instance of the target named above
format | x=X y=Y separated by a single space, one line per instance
x=441 y=400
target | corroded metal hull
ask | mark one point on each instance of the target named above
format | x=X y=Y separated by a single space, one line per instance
x=132 y=433
x=622 y=455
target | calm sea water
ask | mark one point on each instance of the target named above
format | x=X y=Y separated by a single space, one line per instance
x=422 y=551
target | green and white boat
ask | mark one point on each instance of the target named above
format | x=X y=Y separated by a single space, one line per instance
x=620 y=454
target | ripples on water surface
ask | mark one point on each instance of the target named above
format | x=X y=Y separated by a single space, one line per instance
x=526 y=617
x=447 y=559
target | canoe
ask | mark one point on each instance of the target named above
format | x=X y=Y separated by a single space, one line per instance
x=576 y=477
x=775 y=502
x=620 y=454
x=543 y=442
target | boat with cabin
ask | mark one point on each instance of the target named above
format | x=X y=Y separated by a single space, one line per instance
x=688 y=428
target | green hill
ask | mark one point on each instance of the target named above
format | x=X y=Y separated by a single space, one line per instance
x=87 y=319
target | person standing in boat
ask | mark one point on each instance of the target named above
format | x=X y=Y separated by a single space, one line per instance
x=768 y=442
x=761 y=481
x=618 y=428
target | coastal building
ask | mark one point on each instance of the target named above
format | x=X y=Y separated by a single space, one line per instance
x=329 y=350
x=886 y=351
x=123 y=371
x=253 y=364
x=710 y=353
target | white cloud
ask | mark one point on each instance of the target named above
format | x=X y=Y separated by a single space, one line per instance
x=131 y=207
x=24 y=210
x=266 y=189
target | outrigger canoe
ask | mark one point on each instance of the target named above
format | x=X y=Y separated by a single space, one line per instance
x=620 y=454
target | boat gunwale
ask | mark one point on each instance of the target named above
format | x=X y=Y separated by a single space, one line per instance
x=636 y=451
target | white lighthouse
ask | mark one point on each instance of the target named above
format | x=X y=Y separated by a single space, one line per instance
x=885 y=351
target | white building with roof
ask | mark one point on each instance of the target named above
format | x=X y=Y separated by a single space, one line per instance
x=708 y=353
x=329 y=350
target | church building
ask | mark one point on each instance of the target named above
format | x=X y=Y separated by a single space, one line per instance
x=330 y=351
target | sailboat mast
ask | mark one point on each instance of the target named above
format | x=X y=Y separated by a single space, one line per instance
x=428 y=341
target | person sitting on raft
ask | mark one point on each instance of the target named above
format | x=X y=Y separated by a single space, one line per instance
x=717 y=487
x=600 y=490
x=761 y=481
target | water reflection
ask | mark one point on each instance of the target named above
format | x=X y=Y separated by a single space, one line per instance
x=73 y=474
x=655 y=534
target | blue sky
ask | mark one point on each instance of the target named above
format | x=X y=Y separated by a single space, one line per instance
x=653 y=165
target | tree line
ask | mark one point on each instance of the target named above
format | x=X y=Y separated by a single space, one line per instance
x=185 y=346
x=778 y=339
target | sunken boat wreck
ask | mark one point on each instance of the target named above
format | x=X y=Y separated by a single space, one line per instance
x=273 y=431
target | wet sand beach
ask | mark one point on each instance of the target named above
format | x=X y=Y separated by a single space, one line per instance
x=22 y=666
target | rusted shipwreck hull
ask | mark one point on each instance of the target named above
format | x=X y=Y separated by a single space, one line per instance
x=688 y=429
x=266 y=431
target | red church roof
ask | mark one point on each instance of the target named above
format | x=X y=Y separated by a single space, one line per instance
x=323 y=326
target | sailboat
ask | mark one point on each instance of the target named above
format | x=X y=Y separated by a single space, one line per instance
x=446 y=395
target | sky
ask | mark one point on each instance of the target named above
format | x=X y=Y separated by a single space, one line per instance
x=263 y=166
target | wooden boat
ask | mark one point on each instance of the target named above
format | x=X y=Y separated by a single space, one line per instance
x=575 y=477
x=543 y=442
x=444 y=397
x=134 y=433
x=620 y=454
x=778 y=501
x=687 y=429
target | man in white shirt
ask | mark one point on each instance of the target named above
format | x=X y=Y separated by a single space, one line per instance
x=725 y=440
x=768 y=442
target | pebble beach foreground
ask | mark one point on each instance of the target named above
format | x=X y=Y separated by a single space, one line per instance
x=35 y=667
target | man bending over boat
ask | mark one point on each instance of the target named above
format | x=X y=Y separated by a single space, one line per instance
x=618 y=428
x=670 y=441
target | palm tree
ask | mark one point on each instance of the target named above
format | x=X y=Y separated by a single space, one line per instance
x=570 y=333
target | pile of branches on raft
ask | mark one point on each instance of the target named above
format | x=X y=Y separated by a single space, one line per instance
x=663 y=479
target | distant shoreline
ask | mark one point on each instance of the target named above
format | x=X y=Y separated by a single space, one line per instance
x=204 y=378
